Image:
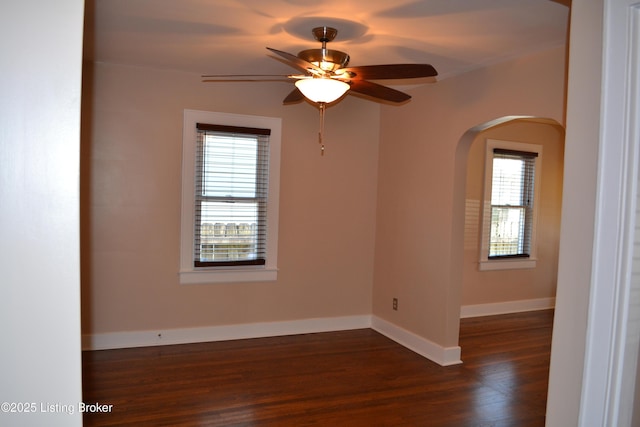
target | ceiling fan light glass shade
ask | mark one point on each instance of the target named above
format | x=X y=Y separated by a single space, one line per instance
x=322 y=89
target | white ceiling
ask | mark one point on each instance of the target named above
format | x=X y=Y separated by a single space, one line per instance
x=230 y=36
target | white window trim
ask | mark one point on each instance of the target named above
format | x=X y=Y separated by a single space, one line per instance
x=487 y=264
x=190 y=274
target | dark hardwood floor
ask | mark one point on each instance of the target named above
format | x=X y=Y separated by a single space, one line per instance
x=350 y=378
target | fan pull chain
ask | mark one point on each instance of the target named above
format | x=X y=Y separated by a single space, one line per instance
x=322 y=107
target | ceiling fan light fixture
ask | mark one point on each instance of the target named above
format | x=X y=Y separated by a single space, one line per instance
x=322 y=90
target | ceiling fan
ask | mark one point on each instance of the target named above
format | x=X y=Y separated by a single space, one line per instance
x=326 y=76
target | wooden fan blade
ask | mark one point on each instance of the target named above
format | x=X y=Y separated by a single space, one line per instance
x=243 y=75
x=294 y=97
x=375 y=90
x=391 y=71
x=246 y=77
x=297 y=62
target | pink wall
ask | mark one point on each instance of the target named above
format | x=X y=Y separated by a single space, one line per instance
x=419 y=238
x=371 y=220
x=132 y=141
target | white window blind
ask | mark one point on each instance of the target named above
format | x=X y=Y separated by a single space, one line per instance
x=232 y=179
x=512 y=203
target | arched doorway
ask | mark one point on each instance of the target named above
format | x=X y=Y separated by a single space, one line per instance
x=495 y=292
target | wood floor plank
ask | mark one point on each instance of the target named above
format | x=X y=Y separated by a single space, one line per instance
x=347 y=378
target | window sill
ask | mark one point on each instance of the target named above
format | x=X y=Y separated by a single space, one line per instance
x=228 y=275
x=507 y=264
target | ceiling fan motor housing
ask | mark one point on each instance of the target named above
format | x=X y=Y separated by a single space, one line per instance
x=327 y=59
x=324 y=56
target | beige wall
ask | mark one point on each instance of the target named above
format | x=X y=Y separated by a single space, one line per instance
x=131 y=159
x=484 y=287
x=419 y=242
x=371 y=220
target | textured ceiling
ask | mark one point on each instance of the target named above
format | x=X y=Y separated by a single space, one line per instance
x=230 y=36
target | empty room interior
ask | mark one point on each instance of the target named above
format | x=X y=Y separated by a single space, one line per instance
x=380 y=228
x=257 y=251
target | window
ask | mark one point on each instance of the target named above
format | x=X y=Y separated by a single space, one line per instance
x=511 y=190
x=230 y=197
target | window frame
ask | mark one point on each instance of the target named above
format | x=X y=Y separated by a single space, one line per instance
x=516 y=262
x=190 y=274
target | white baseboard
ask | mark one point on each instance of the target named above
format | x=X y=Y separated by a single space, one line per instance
x=443 y=356
x=430 y=350
x=222 y=333
x=507 y=307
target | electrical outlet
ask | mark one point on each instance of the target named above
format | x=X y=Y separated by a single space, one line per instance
x=395 y=303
